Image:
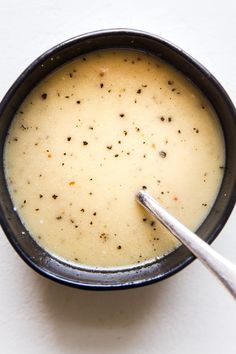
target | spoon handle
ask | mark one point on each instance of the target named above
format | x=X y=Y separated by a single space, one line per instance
x=220 y=266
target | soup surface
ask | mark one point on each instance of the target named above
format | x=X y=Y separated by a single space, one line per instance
x=95 y=132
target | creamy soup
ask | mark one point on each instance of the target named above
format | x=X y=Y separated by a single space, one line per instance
x=95 y=132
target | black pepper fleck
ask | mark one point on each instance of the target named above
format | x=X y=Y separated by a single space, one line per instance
x=162 y=154
x=44 y=96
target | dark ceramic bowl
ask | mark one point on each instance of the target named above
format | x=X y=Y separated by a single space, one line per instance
x=80 y=276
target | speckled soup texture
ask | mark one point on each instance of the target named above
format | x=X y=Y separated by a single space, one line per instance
x=95 y=132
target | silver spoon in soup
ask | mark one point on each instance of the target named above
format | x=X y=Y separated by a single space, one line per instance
x=224 y=270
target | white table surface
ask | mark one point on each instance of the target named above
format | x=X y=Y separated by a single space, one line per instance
x=188 y=313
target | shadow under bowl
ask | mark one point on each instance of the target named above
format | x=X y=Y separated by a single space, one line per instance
x=79 y=276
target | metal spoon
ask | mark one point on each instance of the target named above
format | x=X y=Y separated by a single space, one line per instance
x=224 y=270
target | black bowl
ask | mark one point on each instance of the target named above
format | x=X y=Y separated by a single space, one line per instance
x=83 y=277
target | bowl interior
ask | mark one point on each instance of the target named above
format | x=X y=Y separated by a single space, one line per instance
x=57 y=270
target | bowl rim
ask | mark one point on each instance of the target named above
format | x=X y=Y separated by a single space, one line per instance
x=52 y=52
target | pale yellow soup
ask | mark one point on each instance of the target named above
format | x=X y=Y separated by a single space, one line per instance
x=90 y=136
